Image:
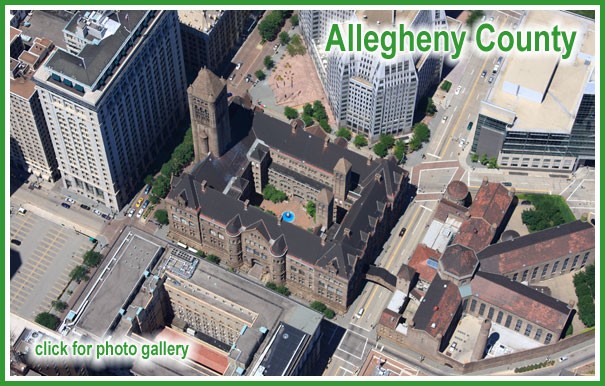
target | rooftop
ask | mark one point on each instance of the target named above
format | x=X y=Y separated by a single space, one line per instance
x=385 y=18
x=537 y=247
x=286 y=344
x=438 y=308
x=89 y=65
x=541 y=90
x=520 y=300
x=47 y=24
x=134 y=253
x=459 y=261
x=420 y=262
x=201 y=20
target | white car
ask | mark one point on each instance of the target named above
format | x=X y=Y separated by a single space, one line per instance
x=458 y=89
x=238 y=66
x=140 y=212
x=131 y=212
x=462 y=142
x=444 y=118
x=97 y=212
x=70 y=200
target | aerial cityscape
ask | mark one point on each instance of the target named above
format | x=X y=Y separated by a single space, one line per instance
x=332 y=193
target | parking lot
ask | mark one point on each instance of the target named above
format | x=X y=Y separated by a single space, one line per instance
x=40 y=265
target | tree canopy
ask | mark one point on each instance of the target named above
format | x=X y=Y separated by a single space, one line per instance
x=92 y=258
x=360 y=140
x=271 y=24
x=48 y=320
x=345 y=133
x=290 y=113
x=273 y=194
x=161 y=216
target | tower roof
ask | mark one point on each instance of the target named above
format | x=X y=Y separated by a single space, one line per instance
x=325 y=196
x=342 y=166
x=207 y=85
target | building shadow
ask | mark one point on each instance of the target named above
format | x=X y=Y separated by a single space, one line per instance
x=15 y=262
x=331 y=334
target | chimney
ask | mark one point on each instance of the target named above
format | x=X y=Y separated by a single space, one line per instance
x=369 y=160
x=246 y=204
x=204 y=184
x=326 y=141
x=511 y=192
x=279 y=217
x=347 y=232
x=323 y=238
x=293 y=126
x=485 y=180
x=378 y=177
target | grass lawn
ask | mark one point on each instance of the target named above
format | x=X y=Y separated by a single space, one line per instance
x=549 y=211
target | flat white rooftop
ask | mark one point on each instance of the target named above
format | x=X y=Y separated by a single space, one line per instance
x=540 y=90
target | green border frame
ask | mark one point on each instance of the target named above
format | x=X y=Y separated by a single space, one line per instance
x=259 y=4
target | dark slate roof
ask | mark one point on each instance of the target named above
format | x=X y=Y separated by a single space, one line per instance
x=518 y=299
x=538 y=247
x=86 y=67
x=406 y=272
x=438 y=307
x=309 y=148
x=285 y=347
x=383 y=274
x=298 y=177
x=459 y=261
x=285 y=237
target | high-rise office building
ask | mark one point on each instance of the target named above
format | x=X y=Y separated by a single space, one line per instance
x=112 y=98
x=209 y=36
x=367 y=93
x=30 y=146
x=541 y=112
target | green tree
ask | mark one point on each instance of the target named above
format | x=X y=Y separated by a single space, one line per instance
x=169 y=168
x=270 y=25
x=283 y=290
x=471 y=20
x=154 y=199
x=260 y=75
x=284 y=38
x=79 y=273
x=201 y=254
x=548 y=211
x=59 y=305
x=290 y=113
x=318 y=306
x=360 y=141
x=329 y=313
x=161 y=216
x=400 y=150
x=387 y=140
x=345 y=133
x=311 y=209
x=380 y=149
x=431 y=109
x=296 y=46
x=492 y=163
x=92 y=258
x=273 y=194
x=422 y=132
x=148 y=179
x=294 y=19
x=308 y=109
x=474 y=157
x=213 y=259
x=161 y=186
x=272 y=286
x=319 y=111
x=268 y=61
x=48 y=320
x=415 y=144
x=484 y=160
x=307 y=119
x=323 y=123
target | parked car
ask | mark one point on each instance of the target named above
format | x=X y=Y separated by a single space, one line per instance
x=402 y=232
x=145 y=204
x=525 y=202
x=232 y=76
x=147 y=189
x=562 y=359
x=444 y=118
x=238 y=65
x=507 y=183
x=97 y=212
x=131 y=212
x=15 y=241
x=490 y=80
x=483 y=74
x=469 y=126
x=105 y=216
x=22 y=211
x=462 y=142
x=140 y=212
x=360 y=312
x=65 y=205
x=70 y=200
x=85 y=207
x=139 y=202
